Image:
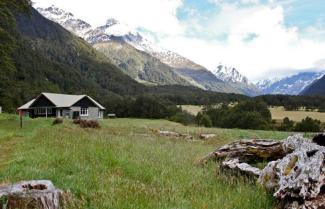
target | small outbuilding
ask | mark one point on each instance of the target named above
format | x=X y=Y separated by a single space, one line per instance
x=63 y=105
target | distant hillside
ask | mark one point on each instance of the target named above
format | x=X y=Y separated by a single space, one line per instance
x=139 y=65
x=316 y=88
x=291 y=85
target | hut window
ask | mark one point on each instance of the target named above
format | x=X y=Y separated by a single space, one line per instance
x=84 y=112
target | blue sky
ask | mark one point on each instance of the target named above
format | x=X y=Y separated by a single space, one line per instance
x=261 y=38
x=297 y=13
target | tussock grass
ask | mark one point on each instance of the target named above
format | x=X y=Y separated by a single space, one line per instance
x=125 y=165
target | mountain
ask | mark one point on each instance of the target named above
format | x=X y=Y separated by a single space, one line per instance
x=316 y=88
x=137 y=56
x=291 y=85
x=266 y=83
x=231 y=76
x=38 y=55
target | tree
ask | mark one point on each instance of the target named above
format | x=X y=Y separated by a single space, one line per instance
x=203 y=120
x=308 y=125
x=183 y=117
x=287 y=125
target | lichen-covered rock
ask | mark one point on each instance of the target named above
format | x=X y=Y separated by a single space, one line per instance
x=235 y=165
x=207 y=136
x=174 y=134
x=298 y=176
x=296 y=173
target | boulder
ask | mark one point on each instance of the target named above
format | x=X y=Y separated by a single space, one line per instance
x=207 y=136
x=174 y=134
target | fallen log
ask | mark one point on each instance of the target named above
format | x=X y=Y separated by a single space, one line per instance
x=248 y=151
x=30 y=195
x=295 y=172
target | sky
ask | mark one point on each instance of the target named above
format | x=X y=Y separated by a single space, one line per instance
x=261 y=38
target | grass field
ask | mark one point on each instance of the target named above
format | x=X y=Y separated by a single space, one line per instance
x=125 y=165
x=278 y=113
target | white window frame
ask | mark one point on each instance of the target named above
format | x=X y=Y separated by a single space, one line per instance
x=100 y=113
x=84 y=112
x=43 y=111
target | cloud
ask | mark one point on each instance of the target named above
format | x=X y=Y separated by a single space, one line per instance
x=258 y=43
x=155 y=15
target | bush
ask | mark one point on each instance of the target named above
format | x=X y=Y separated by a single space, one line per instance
x=203 y=120
x=308 y=125
x=184 y=118
x=287 y=125
x=77 y=121
x=87 y=123
x=57 y=121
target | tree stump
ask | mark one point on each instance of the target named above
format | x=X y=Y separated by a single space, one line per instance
x=30 y=195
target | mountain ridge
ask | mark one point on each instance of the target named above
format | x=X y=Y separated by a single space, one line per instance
x=193 y=73
x=291 y=85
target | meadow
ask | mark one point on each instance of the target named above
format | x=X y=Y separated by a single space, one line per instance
x=124 y=164
x=278 y=113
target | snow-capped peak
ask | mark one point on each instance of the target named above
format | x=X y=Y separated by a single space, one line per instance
x=57 y=14
x=266 y=83
x=116 y=29
x=292 y=84
x=66 y=19
x=229 y=74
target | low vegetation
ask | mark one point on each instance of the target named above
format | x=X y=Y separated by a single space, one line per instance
x=57 y=121
x=125 y=165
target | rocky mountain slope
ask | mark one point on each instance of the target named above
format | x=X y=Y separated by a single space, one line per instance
x=291 y=85
x=167 y=67
x=138 y=65
x=231 y=76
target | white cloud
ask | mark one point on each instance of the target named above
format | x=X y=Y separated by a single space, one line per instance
x=274 y=50
x=155 y=15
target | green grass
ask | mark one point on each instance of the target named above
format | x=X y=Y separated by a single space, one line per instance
x=125 y=165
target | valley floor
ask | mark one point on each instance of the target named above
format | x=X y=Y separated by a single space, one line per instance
x=126 y=165
x=278 y=113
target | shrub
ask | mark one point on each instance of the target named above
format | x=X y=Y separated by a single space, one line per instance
x=287 y=125
x=204 y=120
x=77 y=121
x=308 y=125
x=89 y=124
x=184 y=118
x=57 y=121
